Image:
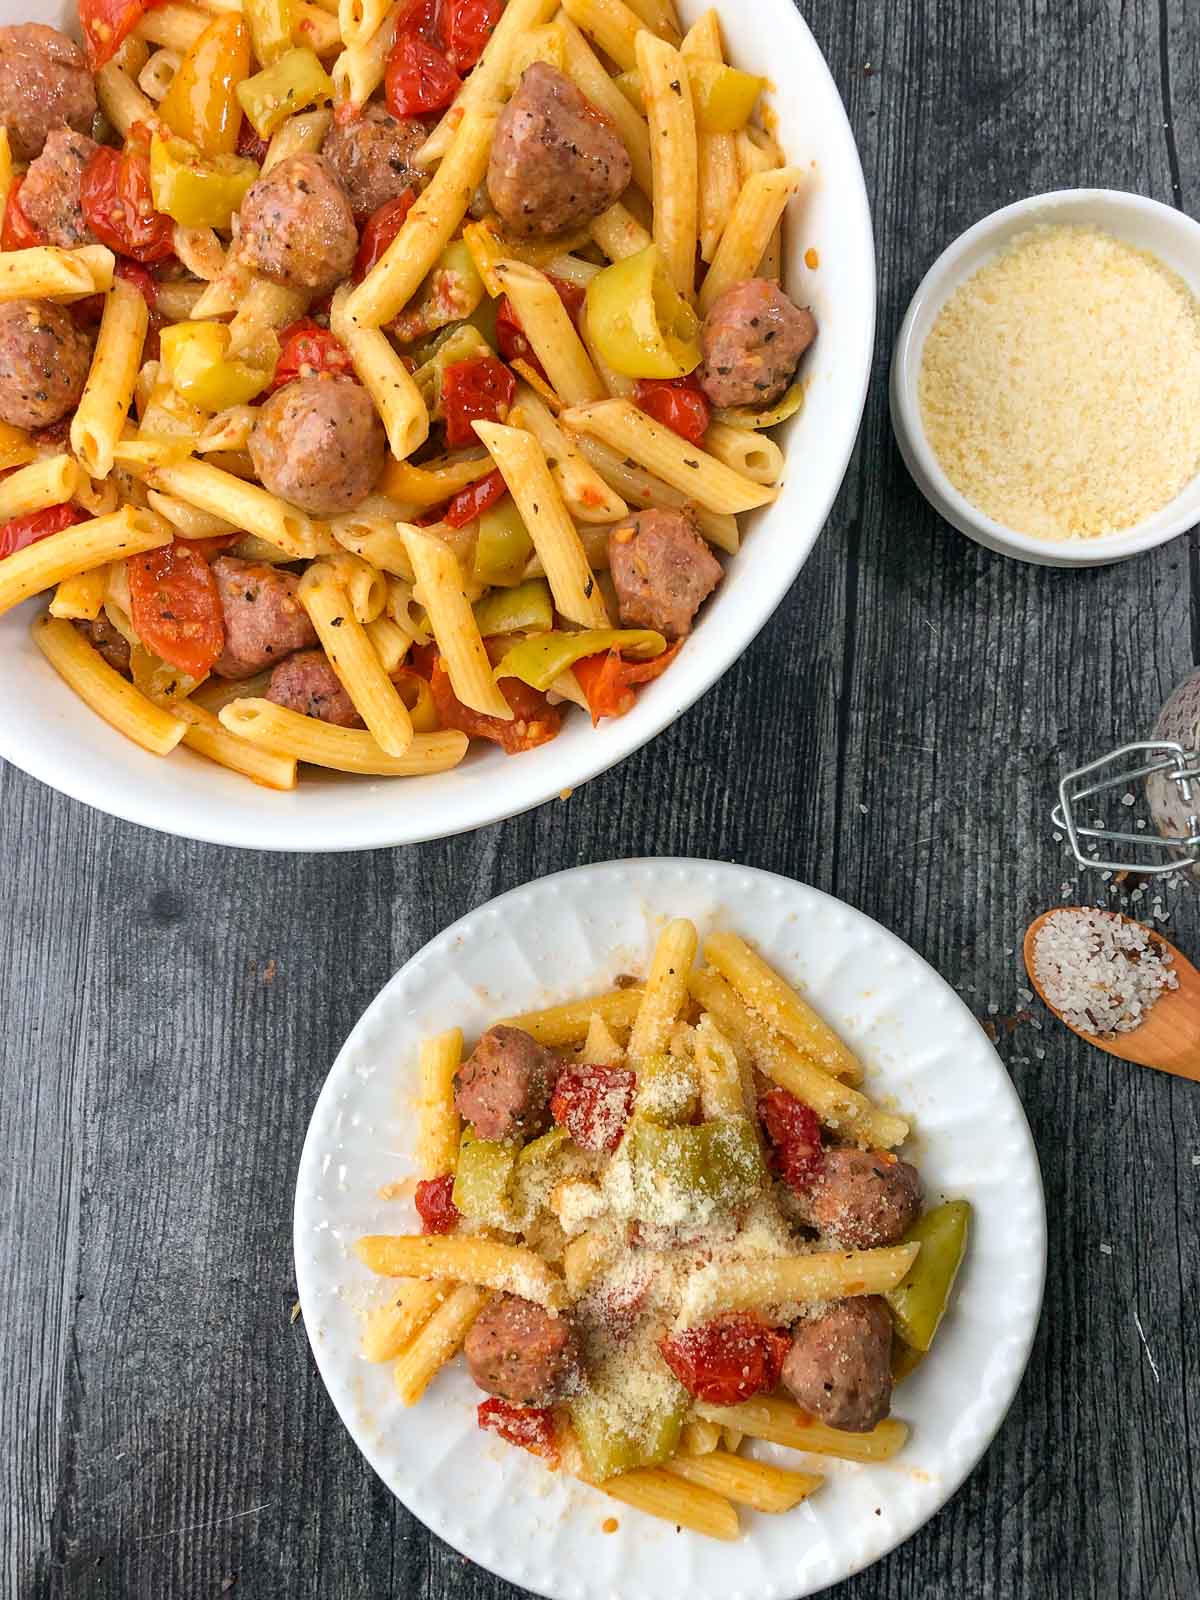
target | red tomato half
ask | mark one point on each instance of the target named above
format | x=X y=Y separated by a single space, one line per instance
x=531 y=1427
x=479 y=390
x=107 y=24
x=175 y=607
x=728 y=1360
x=474 y=500
x=19 y=233
x=467 y=26
x=307 y=350
x=380 y=228
x=535 y=721
x=593 y=1104
x=795 y=1135
x=608 y=681
x=435 y=1204
x=419 y=78
x=677 y=403
x=22 y=531
x=114 y=192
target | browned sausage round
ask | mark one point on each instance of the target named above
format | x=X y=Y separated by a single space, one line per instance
x=555 y=161
x=503 y=1089
x=296 y=226
x=864 y=1199
x=307 y=683
x=44 y=360
x=521 y=1353
x=111 y=644
x=662 y=570
x=319 y=444
x=44 y=84
x=752 y=341
x=840 y=1366
x=263 y=619
x=50 y=193
x=372 y=156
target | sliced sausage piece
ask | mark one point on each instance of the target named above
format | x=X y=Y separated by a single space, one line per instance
x=296 y=226
x=556 y=161
x=372 y=157
x=319 y=444
x=519 y=1352
x=44 y=361
x=864 y=1199
x=662 y=570
x=751 y=342
x=307 y=683
x=44 y=84
x=263 y=619
x=503 y=1089
x=50 y=193
x=840 y=1364
x=111 y=644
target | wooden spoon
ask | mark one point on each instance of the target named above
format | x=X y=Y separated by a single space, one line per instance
x=1169 y=1038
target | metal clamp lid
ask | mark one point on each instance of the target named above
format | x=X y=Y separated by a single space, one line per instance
x=1177 y=765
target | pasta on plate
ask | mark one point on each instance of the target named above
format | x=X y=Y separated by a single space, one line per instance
x=661 y=1221
x=381 y=377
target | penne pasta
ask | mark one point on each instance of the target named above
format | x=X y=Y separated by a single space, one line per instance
x=585 y=494
x=612 y=24
x=44 y=272
x=395 y=1324
x=781 y=1422
x=818 y=1277
x=78 y=549
x=303 y=134
x=359 y=20
x=324 y=596
x=569 y=1023
x=80 y=598
x=666 y=989
x=589 y=75
x=437 y=1342
x=108 y=392
x=209 y=738
x=672 y=123
x=107 y=693
x=721 y=1090
x=506 y=1268
x=342 y=749
x=439 y=585
x=241 y=504
x=386 y=379
x=642 y=489
x=661 y=1494
x=438 y=1125
x=749 y=1483
x=390 y=644
x=48 y=482
x=377 y=540
x=264 y=308
x=748 y=452
x=619 y=234
x=756 y=214
x=699 y=1438
x=121 y=101
x=549 y=329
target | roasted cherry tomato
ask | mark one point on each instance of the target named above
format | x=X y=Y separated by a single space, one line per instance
x=435 y=1203
x=474 y=500
x=467 y=25
x=594 y=1104
x=307 y=350
x=250 y=142
x=380 y=228
x=535 y=721
x=175 y=607
x=22 y=531
x=106 y=25
x=19 y=233
x=678 y=403
x=608 y=681
x=728 y=1360
x=419 y=78
x=795 y=1135
x=510 y=336
x=114 y=192
x=479 y=390
x=532 y=1427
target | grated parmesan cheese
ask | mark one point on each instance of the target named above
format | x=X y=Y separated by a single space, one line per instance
x=1060 y=386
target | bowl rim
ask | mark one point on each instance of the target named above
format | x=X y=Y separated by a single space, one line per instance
x=51 y=760
x=947 y=273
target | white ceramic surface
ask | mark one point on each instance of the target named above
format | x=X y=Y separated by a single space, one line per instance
x=50 y=734
x=1166 y=233
x=570 y=935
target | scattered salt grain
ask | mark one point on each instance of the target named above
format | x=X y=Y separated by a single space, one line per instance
x=1106 y=1249
x=1100 y=973
x=1129 y=799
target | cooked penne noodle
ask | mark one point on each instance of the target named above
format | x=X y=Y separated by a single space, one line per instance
x=642 y=489
x=121 y=101
x=569 y=1023
x=377 y=540
x=79 y=598
x=265 y=307
x=601 y=1045
x=757 y=151
x=760 y=205
x=390 y=643
x=586 y=495
x=719 y=175
x=90 y=544
x=341 y=749
x=548 y=327
x=660 y=1494
x=175 y=301
x=228 y=430
x=437 y=1341
x=818 y=1277
x=386 y=379
x=209 y=738
x=658 y=15
x=585 y=1256
x=214 y=694
x=359 y=70
x=699 y=1438
x=507 y=1268
x=612 y=24
x=324 y=595
x=438 y=1124
x=539 y=44
x=748 y=1483
x=439 y=583
x=396 y=1323
x=746 y=451
x=781 y=1422
x=359 y=20
x=191 y=522
x=619 y=234
x=139 y=454
x=701 y=477
x=108 y=392
x=241 y=504
x=672 y=122
x=173 y=25
x=666 y=989
x=721 y=1092
x=590 y=76
x=303 y=134
x=203 y=254
x=107 y=693
x=522 y=464
x=49 y=482
x=780 y=1005
x=156 y=76
x=44 y=272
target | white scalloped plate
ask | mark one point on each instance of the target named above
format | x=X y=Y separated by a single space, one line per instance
x=570 y=935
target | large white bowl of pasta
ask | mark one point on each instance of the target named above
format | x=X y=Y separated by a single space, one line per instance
x=827 y=261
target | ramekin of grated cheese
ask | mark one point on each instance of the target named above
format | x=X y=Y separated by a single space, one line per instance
x=1045 y=387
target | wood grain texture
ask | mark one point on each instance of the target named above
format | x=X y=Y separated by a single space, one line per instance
x=162 y=1427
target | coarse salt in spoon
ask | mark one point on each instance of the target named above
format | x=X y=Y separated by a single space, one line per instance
x=1143 y=993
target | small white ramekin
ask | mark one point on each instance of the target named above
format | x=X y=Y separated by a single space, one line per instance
x=1168 y=234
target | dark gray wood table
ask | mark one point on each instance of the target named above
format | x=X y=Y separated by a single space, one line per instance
x=170 y=1010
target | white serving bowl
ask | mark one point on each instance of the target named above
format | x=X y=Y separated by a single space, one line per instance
x=50 y=734
x=1166 y=233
